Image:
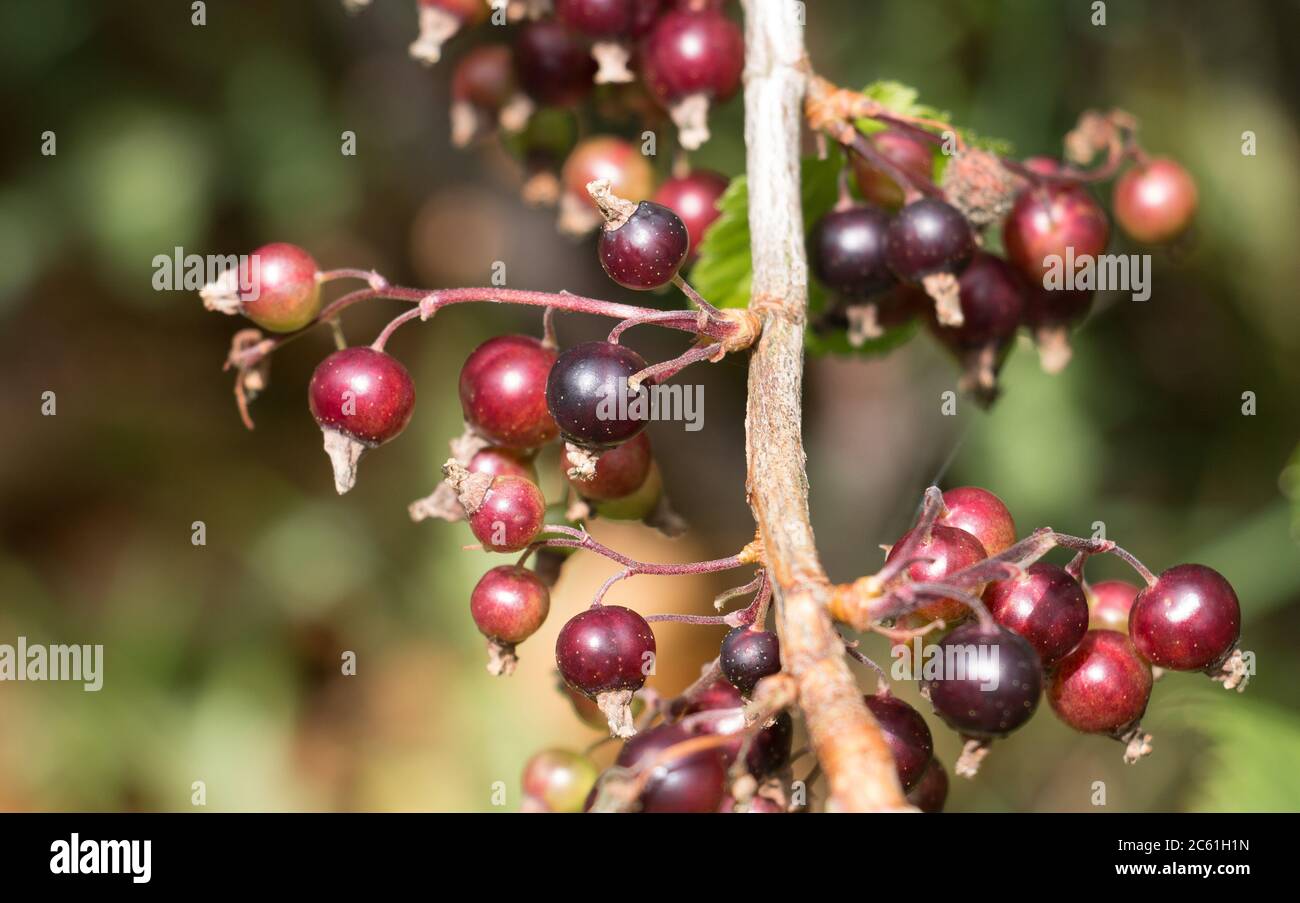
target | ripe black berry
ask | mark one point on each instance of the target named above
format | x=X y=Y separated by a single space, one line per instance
x=588 y=394
x=553 y=64
x=907 y=734
x=694 y=782
x=620 y=471
x=948 y=550
x=992 y=304
x=1045 y=605
x=605 y=649
x=647 y=250
x=1103 y=686
x=990 y=684
x=503 y=391
x=1189 y=620
x=981 y=514
x=931 y=791
x=928 y=236
x=749 y=655
x=847 y=251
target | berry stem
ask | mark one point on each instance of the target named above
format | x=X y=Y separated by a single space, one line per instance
x=386 y=334
x=932 y=509
x=689 y=291
x=681 y=319
x=665 y=370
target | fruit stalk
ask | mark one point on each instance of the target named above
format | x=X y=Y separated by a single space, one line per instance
x=848 y=742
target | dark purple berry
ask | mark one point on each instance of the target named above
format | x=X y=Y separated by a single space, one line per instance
x=847 y=251
x=598 y=18
x=588 y=395
x=947 y=551
x=694 y=782
x=992 y=305
x=749 y=655
x=553 y=64
x=1189 y=620
x=604 y=649
x=931 y=791
x=928 y=236
x=503 y=391
x=647 y=250
x=1103 y=686
x=990 y=683
x=1045 y=605
x=907 y=734
x=363 y=393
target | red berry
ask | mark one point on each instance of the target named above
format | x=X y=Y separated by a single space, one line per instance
x=500 y=462
x=363 y=393
x=693 y=53
x=907 y=735
x=1189 y=620
x=694 y=198
x=981 y=514
x=694 y=782
x=558 y=780
x=278 y=287
x=931 y=791
x=1053 y=220
x=603 y=157
x=588 y=394
x=510 y=515
x=503 y=391
x=1103 y=686
x=912 y=155
x=950 y=550
x=928 y=236
x=1045 y=605
x=640 y=504
x=509 y=604
x=1155 y=201
x=995 y=687
x=485 y=78
x=1044 y=166
x=846 y=250
x=620 y=471
x=992 y=305
x=647 y=250
x=553 y=64
x=749 y=655
x=597 y=18
x=1109 y=603
x=604 y=649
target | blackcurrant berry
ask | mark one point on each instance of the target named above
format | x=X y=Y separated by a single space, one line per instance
x=1189 y=620
x=558 y=780
x=1053 y=220
x=694 y=198
x=931 y=791
x=588 y=394
x=981 y=514
x=500 y=462
x=363 y=393
x=646 y=251
x=620 y=471
x=949 y=550
x=503 y=391
x=990 y=684
x=694 y=782
x=1045 y=605
x=992 y=297
x=927 y=237
x=1103 y=686
x=509 y=515
x=749 y=655
x=907 y=735
x=690 y=60
x=553 y=64
x=1155 y=201
x=278 y=289
x=770 y=750
x=912 y=155
x=847 y=251
x=717 y=695
x=1109 y=603
x=508 y=605
x=604 y=649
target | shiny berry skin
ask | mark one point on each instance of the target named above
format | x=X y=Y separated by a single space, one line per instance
x=1103 y=686
x=604 y=157
x=693 y=53
x=646 y=251
x=1109 y=603
x=695 y=782
x=931 y=791
x=363 y=393
x=770 y=751
x=951 y=550
x=846 y=250
x=597 y=18
x=748 y=656
x=981 y=514
x=278 y=287
x=992 y=305
x=694 y=198
x=553 y=64
x=1155 y=202
x=1189 y=620
x=907 y=735
x=620 y=471
x=1047 y=221
x=605 y=648
x=503 y=391
x=586 y=389
x=501 y=462
x=558 y=780
x=509 y=603
x=510 y=516
x=485 y=77
x=910 y=154
x=998 y=689
x=1045 y=605
x=928 y=236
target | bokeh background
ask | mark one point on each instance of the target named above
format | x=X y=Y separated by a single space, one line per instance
x=222 y=660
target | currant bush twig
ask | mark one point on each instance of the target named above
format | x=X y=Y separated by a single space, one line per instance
x=846 y=738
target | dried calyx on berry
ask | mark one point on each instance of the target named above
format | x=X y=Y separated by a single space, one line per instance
x=504 y=512
x=606 y=653
x=642 y=246
x=929 y=243
x=508 y=604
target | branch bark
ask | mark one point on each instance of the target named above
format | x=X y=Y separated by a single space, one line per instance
x=848 y=743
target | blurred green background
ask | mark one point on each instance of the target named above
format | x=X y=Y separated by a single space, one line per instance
x=222 y=660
